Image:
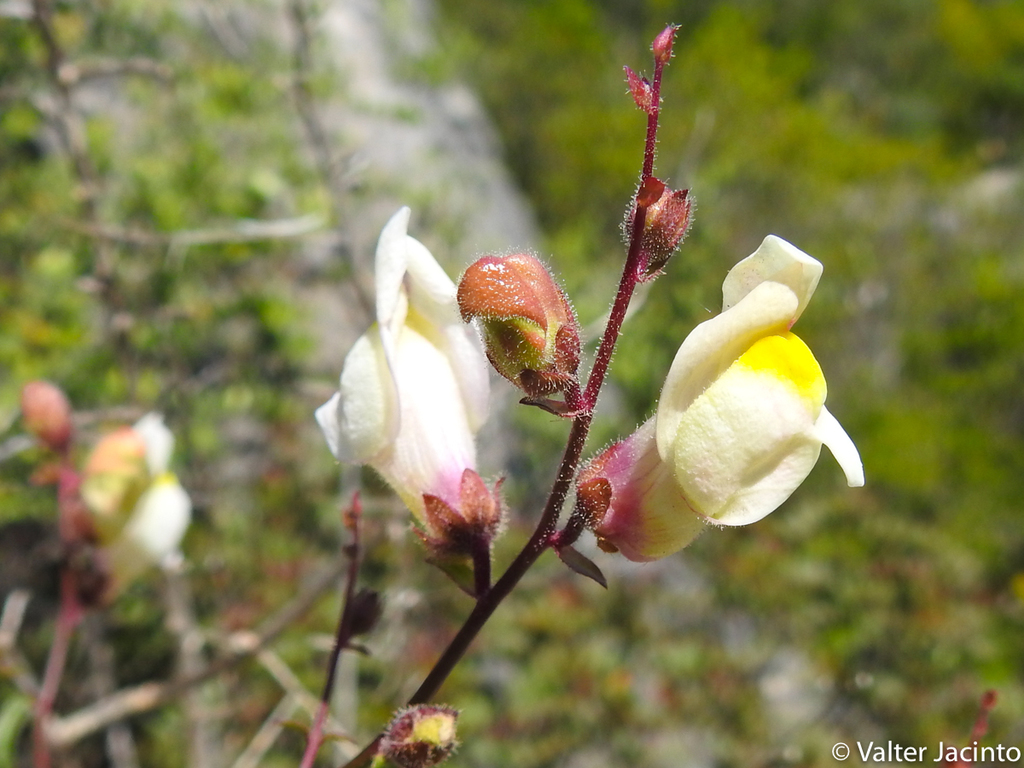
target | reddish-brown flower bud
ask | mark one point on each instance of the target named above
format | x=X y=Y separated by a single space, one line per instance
x=668 y=218
x=421 y=736
x=529 y=328
x=366 y=609
x=662 y=45
x=453 y=531
x=47 y=414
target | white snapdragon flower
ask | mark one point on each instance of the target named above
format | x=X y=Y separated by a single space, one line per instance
x=140 y=510
x=740 y=422
x=742 y=415
x=163 y=512
x=414 y=387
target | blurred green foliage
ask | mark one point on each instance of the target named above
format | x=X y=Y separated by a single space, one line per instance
x=881 y=137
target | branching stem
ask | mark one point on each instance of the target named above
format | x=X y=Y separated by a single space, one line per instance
x=544 y=535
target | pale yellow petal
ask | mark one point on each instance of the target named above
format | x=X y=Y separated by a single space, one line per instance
x=776 y=261
x=713 y=346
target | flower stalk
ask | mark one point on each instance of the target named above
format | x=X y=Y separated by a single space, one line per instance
x=581 y=409
x=356 y=616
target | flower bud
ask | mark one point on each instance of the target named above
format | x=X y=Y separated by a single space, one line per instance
x=662 y=45
x=640 y=89
x=420 y=737
x=47 y=414
x=366 y=609
x=668 y=218
x=529 y=328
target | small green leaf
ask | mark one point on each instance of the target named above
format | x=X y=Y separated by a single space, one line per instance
x=582 y=564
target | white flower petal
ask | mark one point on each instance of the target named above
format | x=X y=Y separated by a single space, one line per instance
x=328 y=416
x=161 y=518
x=469 y=363
x=743 y=447
x=363 y=417
x=776 y=261
x=431 y=291
x=435 y=444
x=390 y=264
x=154 y=531
x=713 y=346
x=832 y=434
x=159 y=442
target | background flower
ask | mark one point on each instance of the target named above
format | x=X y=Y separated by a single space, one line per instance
x=414 y=388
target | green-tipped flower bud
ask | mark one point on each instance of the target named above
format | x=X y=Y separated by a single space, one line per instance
x=420 y=737
x=529 y=328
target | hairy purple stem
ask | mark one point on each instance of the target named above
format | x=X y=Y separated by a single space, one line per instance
x=544 y=535
x=68 y=617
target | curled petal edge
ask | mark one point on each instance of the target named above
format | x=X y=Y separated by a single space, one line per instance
x=776 y=261
x=832 y=434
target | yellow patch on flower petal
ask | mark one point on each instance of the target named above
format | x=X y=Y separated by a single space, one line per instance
x=787 y=358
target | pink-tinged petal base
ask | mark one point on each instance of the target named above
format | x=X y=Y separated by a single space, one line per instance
x=648 y=518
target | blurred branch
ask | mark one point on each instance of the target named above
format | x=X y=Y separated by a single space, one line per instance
x=69 y=124
x=12 y=663
x=288 y=680
x=71 y=73
x=63 y=731
x=15 y=444
x=302 y=62
x=265 y=737
x=181 y=620
x=325 y=158
x=119 y=741
x=12 y=446
x=242 y=231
